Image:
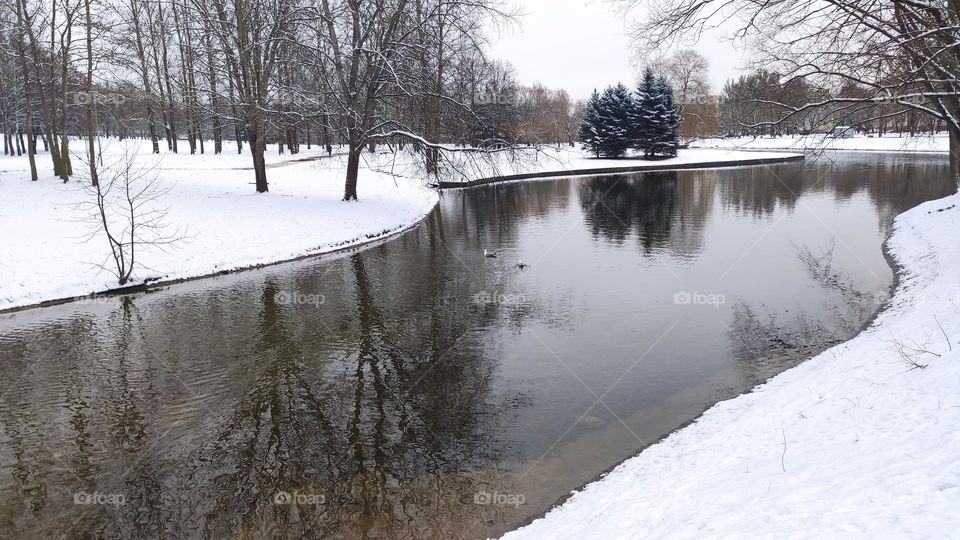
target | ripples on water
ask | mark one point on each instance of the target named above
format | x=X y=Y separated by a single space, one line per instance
x=416 y=378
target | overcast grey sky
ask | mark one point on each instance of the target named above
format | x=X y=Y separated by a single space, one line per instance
x=582 y=44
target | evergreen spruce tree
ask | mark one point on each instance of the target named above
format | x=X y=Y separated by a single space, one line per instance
x=617 y=114
x=646 y=115
x=591 y=129
x=668 y=137
x=656 y=117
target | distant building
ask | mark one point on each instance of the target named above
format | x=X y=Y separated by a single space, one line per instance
x=841 y=132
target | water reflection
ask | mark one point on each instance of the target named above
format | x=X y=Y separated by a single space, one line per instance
x=617 y=207
x=402 y=393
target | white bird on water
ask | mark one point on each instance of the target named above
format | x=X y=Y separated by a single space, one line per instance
x=490 y=254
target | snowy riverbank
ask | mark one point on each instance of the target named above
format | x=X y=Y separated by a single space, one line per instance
x=927 y=144
x=856 y=442
x=211 y=200
x=226 y=226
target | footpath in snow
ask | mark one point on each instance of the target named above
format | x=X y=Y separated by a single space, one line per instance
x=863 y=440
x=925 y=144
x=224 y=224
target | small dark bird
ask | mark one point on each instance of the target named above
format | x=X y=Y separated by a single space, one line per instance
x=489 y=254
x=521 y=265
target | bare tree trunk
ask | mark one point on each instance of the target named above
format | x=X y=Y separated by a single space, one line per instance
x=353 y=170
x=47 y=109
x=186 y=77
x=67 y=169
x=237 y=133
x=135 y=8
x=165 y=114
x=954 y=154
x=214 y=102
x=165 y=57
x=25 y=73
x=256 y=140
x=91 y=121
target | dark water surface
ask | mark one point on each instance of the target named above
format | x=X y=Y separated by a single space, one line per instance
x=417 y=389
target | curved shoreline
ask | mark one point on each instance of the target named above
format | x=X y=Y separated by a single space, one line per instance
x=601 y=171
x=703 y=478
x=363 y=242
x=897 y=270
x=354 y=244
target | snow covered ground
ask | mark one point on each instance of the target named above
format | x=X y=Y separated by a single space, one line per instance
x=889 y=143
x=464 y=167
x=212 y=202
x=856 y=442
x=224 y=224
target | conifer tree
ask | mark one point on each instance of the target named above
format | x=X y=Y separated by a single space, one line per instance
x=617 y=114
x=646 y=114
x=616 y=120
x=668 y=140
x=591 y=129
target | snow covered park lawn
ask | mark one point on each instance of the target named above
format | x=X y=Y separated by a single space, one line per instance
x=936 y=144
x=211 y=200
x=225 y=225
x=862 y=441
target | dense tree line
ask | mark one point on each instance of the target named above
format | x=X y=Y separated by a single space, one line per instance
x=879 y=60
x=757 y=103
x=203 y=76
x=646 y=120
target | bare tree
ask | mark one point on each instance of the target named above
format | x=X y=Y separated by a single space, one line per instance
x=91 y=118
x=903 y=51
x=363 y=44
x=27 y=90
x=124 y=207
x=136 y=14
x=251 y=33
x=687 y=72
x=408 y=74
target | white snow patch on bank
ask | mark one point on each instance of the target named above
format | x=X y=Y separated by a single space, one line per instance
x=566 y=161
x=211 y=199
x=896 y=142
x=227 y=225
x=853 y=443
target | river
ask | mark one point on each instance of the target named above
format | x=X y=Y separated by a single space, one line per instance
x=418 y=389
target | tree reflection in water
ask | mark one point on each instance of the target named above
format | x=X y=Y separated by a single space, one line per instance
x=767 y=343
x=398 y=396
